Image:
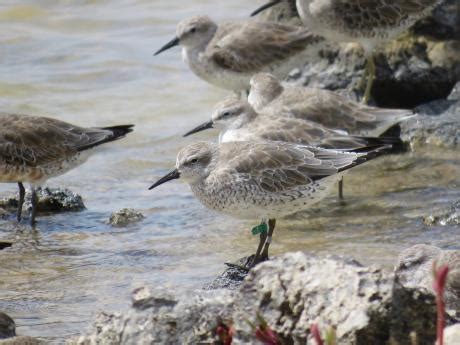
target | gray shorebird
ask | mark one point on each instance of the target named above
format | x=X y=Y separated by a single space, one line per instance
x=261 y=180
x=228 y=54
x=324 y=107
x=367 y=22
x=34 y=149
x=238 y=121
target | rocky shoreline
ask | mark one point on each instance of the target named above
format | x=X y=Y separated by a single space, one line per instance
x=365 y=305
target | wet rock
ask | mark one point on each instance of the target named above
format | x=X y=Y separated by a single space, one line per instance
x=290 y=292
x=443 y=23
x=4 y=244
x=125 y=217
x=414 y=269
x=452 y=335
x=438 y=123
x=49 y=200
x=7 y=326
x=450 y=217
x=231 y=278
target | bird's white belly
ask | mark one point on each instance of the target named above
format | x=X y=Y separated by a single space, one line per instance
x=254 y=206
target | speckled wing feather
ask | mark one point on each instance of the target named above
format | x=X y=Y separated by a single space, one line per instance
x=276 y=167
x=255 y=45
x=367 y=15
x=33 y=141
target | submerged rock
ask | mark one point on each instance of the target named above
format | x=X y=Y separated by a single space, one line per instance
x=125 y=217
x=49 y=200
x=7 y=326
x=450 y=217
x=414 y=269
x=290 y=293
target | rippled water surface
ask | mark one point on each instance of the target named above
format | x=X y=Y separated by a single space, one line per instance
x=90 y=62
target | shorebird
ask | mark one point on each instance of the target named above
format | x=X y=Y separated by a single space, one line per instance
x=261 y=180
x=367 y=22
x=228 y=54
x=324 y=107
x=34 y=149
x=238 y=121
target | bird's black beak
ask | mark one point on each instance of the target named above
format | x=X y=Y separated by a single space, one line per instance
x=168 y=177
x=264 y=7
x=200 y=128
x=174 y=42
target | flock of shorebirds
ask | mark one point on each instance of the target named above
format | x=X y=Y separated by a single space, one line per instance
x=281 y=148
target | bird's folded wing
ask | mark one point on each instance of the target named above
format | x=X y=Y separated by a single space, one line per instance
x=276 y=167
x=255 y=45
x=33 y=141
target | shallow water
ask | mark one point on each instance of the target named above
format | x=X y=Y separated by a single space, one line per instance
x=91 y=63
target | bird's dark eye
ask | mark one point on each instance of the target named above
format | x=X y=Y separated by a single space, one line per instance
x=227 y=113
x=193 y=30
x=194 y=160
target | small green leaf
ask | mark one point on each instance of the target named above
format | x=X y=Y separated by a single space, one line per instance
x=261 y=228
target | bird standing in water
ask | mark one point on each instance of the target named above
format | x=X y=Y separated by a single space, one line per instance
x=34 y=149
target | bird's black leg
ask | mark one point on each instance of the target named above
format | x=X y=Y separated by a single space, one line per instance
x=22 y=193
x=341 y=188
x=34 y=201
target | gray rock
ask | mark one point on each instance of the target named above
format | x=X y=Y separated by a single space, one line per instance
x=125 y=217
x=414 y=269
x=455 y=94
x=452 y=335
x=290 y=292
x=159 y=318
x=49 y=200
x=410 y=71
x=7 y=326
x=438 y=123
x=295 y=290
x=231 y=278
x=443 y=23
x=449 y=217
x=5 y=244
